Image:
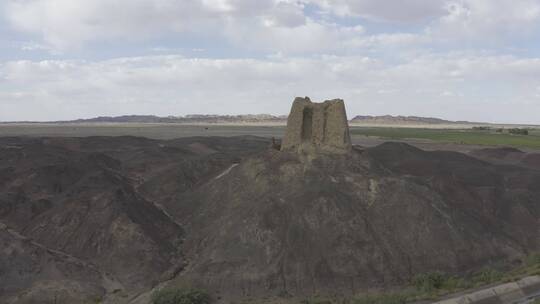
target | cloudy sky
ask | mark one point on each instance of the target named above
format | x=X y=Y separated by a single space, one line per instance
x=473 y=60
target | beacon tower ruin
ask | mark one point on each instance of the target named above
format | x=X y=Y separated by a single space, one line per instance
x=315 y=127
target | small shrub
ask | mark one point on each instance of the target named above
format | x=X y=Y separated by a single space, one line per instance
x=518 y=131
x=97 y=300
x=382 y=299
x=428 y=282
x=455 y=283
x=533 y=260
x=487 y=276
x=481 y=128
x=180 y=296
x=315 y=302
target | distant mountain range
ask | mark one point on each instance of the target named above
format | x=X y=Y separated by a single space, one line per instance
x=401 y=120
x=259 y=119
x=196 y=118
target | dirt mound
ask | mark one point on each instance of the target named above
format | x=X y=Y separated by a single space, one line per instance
x=497 y=152
x=510 y=156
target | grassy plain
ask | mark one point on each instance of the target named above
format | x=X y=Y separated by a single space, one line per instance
x=364 y=135
x=459 y=136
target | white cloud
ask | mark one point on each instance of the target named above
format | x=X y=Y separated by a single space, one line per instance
x=285 y=14
x=310 y=37
x=171 y=85
x=488 y=19
x=271 y=25
x=404 y=11
x=71 y=23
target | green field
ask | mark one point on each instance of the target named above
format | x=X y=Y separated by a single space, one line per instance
x=457 y=136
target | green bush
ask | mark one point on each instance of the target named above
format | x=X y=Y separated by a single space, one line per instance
x=180 y=296
x=533 y=260
x=518 y=131
x=382 y=299
x=315 y=301
x=487 y=276
x=454 y=283
x=428 y=282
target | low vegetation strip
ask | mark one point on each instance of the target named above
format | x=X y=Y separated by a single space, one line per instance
x=430 y=287
x=180 y=296
x=460 y=136
x=511 y=286
x=515 y=292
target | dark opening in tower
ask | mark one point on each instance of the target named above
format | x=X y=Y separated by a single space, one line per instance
x=307 y=125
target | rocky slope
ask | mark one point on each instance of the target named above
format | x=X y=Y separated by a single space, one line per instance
x=109 y=218
x=285 y=225
x=79 y=199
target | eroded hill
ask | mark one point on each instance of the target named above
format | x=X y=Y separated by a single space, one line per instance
x=110 y=218
x=82 y=198
x=279 y=224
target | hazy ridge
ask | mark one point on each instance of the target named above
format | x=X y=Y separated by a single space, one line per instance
x=253 y=118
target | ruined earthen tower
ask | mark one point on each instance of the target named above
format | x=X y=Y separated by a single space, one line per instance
x=317 y=127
